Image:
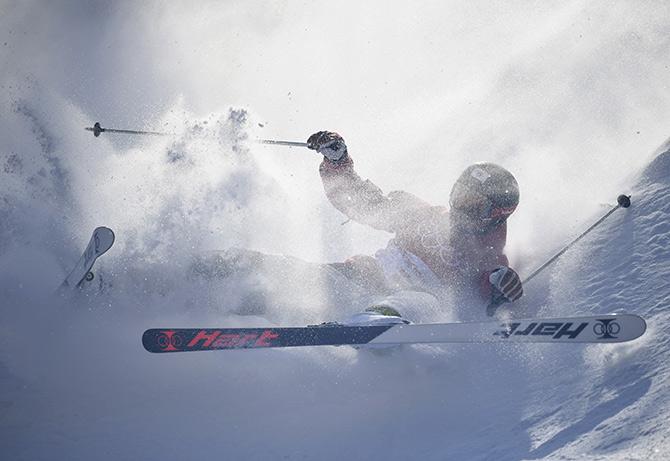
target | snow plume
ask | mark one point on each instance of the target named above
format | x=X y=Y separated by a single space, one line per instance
x=189 y=204
x=200 y=178
x=38 y=208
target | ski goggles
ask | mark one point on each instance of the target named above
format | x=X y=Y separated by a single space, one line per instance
x=477 y=205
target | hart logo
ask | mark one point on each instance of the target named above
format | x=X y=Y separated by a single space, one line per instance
x=557 y=330
x=169 y=341
x=606 y=329
x=222 y=339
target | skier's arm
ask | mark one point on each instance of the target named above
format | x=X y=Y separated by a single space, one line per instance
x=497 y=279
x=359 y=199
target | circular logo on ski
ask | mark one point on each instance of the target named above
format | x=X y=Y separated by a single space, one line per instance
x=606 y=328
x=169 y=341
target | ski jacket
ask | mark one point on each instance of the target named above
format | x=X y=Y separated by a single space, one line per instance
x=457 y=258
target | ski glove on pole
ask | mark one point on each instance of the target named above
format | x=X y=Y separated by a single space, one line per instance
x=329 y=144
x=506 y=284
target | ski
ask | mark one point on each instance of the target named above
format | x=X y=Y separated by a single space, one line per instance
x=599 y=329
x=101 y=241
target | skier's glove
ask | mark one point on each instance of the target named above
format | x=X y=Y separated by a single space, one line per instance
x=506 y=285
x=329 y=144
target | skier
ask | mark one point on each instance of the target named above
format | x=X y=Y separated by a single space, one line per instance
x=433 y=248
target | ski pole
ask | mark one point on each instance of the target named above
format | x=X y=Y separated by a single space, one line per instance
x=282 y=143
x=97 y=129
x=623 y=201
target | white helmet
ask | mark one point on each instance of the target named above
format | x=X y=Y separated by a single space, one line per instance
x=486 y=192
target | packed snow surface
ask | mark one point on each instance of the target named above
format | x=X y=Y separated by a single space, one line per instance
x=574 y=110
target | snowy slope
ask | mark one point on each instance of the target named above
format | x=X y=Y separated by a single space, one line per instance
x=75 y=380
x=612 y=402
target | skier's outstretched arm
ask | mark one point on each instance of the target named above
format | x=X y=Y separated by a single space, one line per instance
x=359 y=199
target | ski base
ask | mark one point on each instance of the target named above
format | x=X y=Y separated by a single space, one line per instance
x=101 y=241
x=612 y=328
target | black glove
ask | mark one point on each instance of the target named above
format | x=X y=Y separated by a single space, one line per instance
x=506 y=285
x=329 y=144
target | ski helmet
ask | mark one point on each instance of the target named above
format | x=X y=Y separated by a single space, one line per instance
x=485 y=191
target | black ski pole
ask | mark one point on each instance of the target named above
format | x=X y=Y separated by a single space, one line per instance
x=623 y=201
x=97 y=129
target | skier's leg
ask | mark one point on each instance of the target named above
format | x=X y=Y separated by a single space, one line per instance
x=278 y=287
x=219 y=265
x=365 y=272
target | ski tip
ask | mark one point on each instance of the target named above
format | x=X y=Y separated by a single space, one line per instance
x=642 y=324
x=156 y=340
x=148 y=341
x=621 y=327
x=159 y=340
x=106 y=237
x=104 y=229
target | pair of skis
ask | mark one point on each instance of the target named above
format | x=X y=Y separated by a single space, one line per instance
x=598 y=329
